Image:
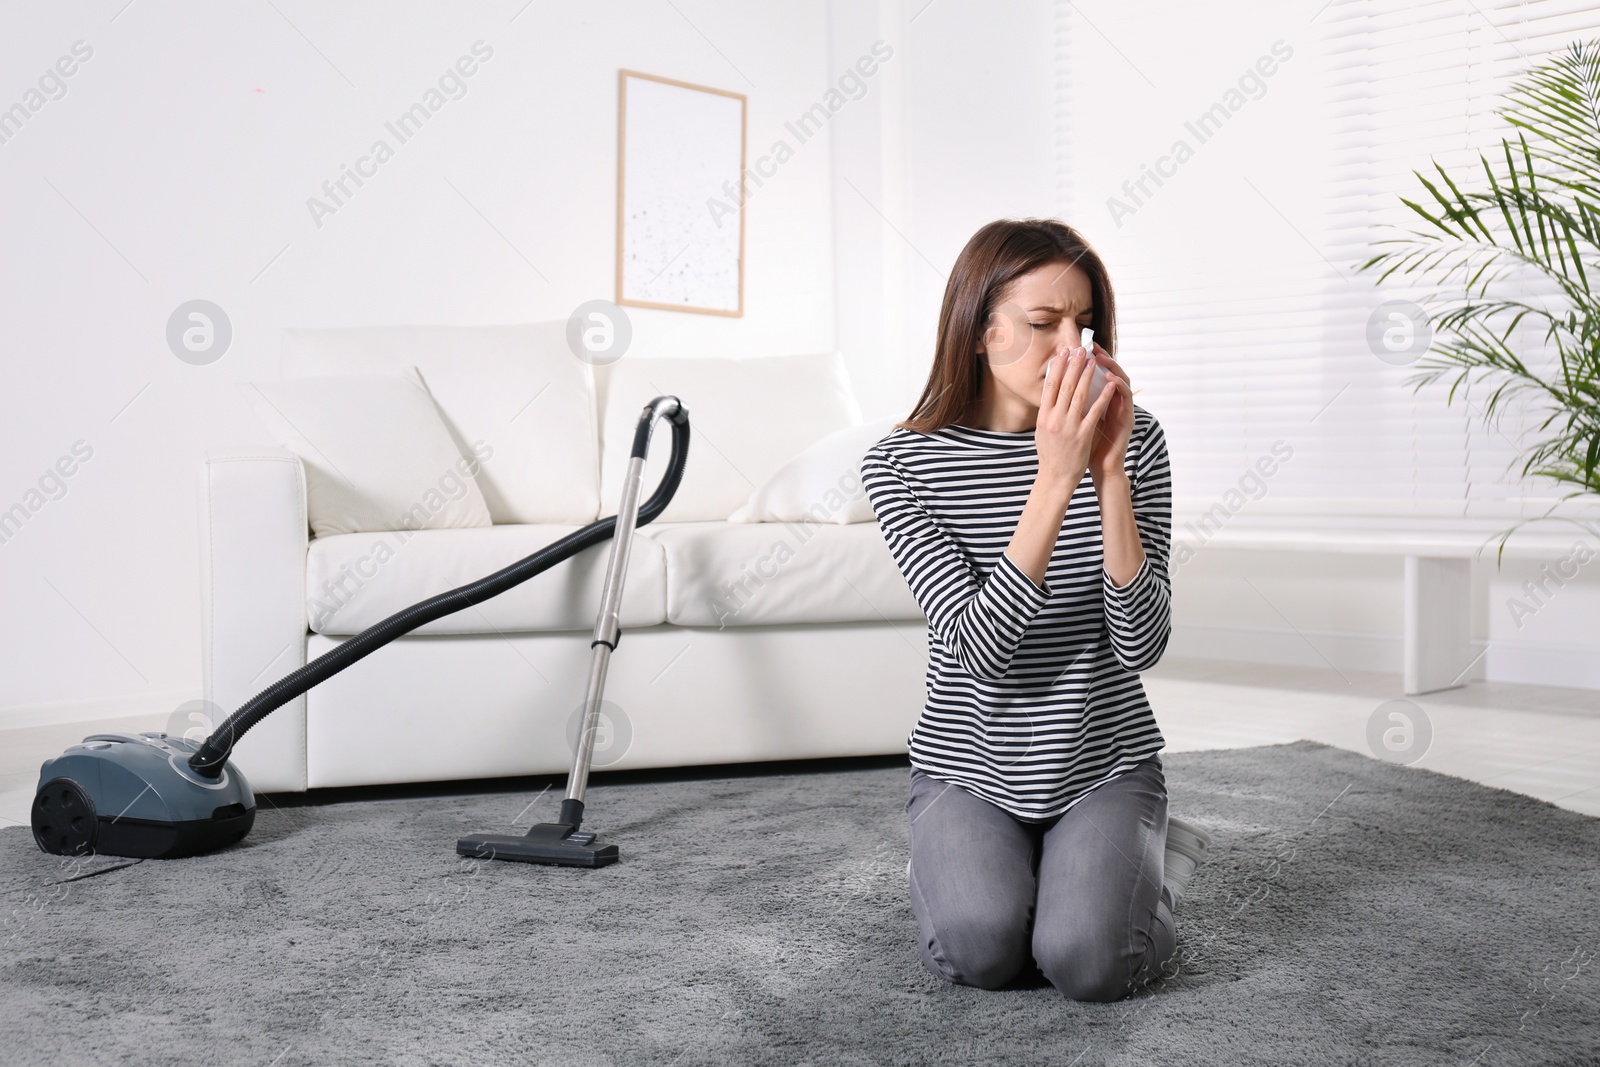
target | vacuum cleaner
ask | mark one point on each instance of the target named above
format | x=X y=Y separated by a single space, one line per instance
x=153 y=796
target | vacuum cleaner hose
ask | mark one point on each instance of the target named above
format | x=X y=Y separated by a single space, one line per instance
x=209 y=759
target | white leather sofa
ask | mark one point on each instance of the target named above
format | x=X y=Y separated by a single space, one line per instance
x=740 y=641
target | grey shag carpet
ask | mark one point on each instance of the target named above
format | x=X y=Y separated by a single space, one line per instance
x=1351 y=912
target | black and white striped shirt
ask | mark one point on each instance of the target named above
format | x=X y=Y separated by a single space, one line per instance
x=1033 y=694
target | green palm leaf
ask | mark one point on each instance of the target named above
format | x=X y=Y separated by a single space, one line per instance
x=1535 y=218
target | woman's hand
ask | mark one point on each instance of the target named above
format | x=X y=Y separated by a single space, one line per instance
x=1110 y=450
x=1065 y=434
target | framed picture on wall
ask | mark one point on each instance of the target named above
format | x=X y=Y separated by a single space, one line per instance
x=680 y=212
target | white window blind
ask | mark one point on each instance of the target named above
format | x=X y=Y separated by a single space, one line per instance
x=1241 y=316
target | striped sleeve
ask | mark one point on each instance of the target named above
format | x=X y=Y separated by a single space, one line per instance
x=1139 y=614
x=981 y=621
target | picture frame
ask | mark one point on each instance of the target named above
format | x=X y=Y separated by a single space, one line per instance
x=680 y=203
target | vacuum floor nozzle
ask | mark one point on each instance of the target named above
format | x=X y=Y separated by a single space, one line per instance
x=549 y=842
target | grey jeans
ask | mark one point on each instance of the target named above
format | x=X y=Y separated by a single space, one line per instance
x=1077 y=898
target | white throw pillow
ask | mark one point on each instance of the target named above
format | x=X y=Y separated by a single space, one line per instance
x=821 y=484
x=376 y=452
x=514 y=390
x=747 y=417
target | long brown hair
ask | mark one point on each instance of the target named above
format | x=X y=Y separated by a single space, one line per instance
x=995 y=257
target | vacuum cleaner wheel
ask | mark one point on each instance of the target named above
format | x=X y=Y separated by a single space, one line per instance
x=64 y=820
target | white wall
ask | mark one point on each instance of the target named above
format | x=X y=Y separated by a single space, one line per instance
x=958 y=130
x=178 y=165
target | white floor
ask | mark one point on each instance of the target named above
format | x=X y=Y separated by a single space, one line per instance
x=1543 y=741
x=1538 y=740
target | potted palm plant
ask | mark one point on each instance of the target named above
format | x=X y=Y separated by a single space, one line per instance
x=1536 y=217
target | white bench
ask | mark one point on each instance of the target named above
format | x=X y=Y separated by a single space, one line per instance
x=1438 y=576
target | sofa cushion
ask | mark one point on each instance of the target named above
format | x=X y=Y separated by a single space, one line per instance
x=376 y=453
x=747 y=417
x=766 y=573
x=356 y=580
x=821 y=484
x=514 y=393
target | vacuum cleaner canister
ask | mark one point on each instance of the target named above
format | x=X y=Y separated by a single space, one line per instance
x=120 y=795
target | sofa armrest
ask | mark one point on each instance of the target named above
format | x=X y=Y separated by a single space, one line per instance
x=253 y=541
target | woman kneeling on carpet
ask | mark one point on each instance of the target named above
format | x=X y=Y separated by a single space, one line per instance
x=1032 y=520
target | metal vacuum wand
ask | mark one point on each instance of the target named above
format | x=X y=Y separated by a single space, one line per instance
x=563 y=842
x=606 y=629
